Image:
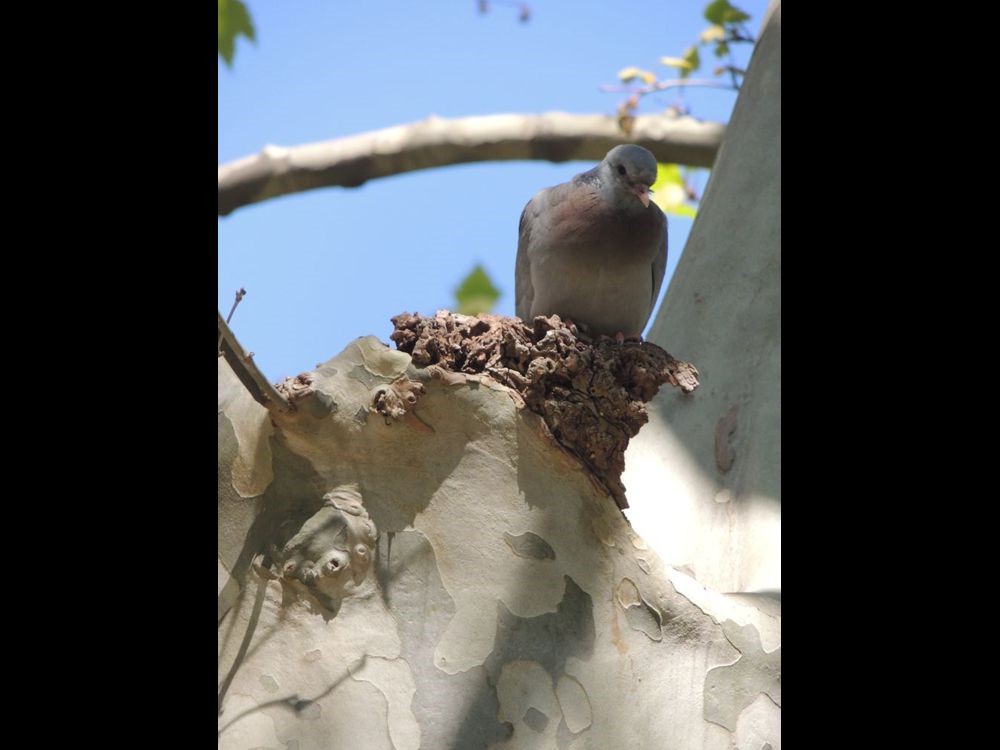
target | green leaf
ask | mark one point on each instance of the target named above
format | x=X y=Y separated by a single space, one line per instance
x=476 y=294
x=715 y=11
x=721 y=12
x=713 y=33
x=234 y=19
x=692 y=57
x=676 y=62
x=721 y=49
x=681 y=209
x=735 y=15
x=627 y=75
x=669 y=191
x=667 y=174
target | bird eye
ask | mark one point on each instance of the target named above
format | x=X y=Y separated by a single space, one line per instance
x=621 y=169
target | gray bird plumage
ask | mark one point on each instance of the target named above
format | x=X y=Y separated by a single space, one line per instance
x=590 y=249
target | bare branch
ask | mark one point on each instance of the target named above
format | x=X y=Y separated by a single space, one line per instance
x=248 y=372
x=436 y=142
x=673 y=83
x=240 y=294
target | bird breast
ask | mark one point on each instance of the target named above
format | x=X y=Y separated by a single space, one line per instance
x=596 y=268
x=588 y=224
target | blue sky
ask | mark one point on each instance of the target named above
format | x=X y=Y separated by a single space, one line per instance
x=324 y=267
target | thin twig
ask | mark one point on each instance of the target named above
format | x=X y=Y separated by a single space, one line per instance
x=524 y=10
x=664 y=85
x=743 y=35
x=732 y=66
x=239 y=297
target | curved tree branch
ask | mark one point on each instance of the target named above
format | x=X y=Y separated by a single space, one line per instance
x=436 y=142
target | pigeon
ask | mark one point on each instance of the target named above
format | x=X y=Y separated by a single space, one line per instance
x=594 y=250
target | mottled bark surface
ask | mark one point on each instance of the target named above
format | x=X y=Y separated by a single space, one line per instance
x=712 y=463
x=407 y=559
x=590 y=394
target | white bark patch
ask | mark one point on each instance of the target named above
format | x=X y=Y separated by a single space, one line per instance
x=574 y=703
x=529 y=545
x=721 y=607
x=252 y=469
x=759 y=725
x=393 y=678
x=639 y=613
x=523 y=687
x=732 y=688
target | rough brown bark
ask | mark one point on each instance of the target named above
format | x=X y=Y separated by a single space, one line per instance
x=590 y=395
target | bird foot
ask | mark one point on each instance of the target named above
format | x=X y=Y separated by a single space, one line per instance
x=620 y=338
x=581 y=331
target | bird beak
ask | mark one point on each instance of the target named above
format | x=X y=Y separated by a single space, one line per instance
x=642 y=193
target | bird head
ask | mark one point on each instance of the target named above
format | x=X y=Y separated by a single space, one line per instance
x=627 y=172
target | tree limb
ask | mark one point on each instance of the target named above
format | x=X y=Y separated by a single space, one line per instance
x=436 y=142
x=247 y=371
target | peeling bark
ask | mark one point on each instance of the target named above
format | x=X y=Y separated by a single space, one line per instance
x=452 y=578
x=407 y=559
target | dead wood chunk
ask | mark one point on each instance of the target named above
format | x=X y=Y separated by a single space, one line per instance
x=297 y=388
x=394 y=400
x=591 y=395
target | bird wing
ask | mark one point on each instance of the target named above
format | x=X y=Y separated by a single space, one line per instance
x=535 y=238
x=659 y=267
x=524 y=290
